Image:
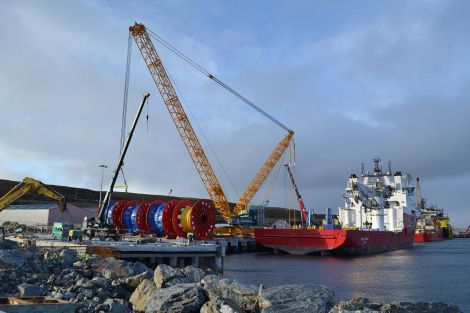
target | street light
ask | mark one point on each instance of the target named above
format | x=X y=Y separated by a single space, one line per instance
x=103 y=166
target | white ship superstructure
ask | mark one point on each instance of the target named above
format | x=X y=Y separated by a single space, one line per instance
x=378 y=200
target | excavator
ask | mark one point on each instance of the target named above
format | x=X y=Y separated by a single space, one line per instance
x=142 y=37
x=30 y=185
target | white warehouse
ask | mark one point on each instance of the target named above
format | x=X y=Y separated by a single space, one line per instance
x=44 y=214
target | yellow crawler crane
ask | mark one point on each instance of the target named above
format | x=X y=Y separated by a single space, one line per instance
x=188 y=135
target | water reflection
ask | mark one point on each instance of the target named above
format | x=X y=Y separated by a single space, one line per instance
x=429 y=272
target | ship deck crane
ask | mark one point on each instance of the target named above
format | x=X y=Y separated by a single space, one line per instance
x=187 y=133
x=299 y=197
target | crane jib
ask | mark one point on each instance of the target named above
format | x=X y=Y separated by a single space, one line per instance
x=187 y=133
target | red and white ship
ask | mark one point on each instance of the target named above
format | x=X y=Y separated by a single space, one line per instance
x=379 y=215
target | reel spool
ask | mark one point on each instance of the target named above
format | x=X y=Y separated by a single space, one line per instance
x=116 y=214
x=176 y=220
x=167 y=219
x=198 y=218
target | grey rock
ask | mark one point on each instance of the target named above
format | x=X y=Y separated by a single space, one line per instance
x=87 y=292
x=15 y=257
x=364 y=305
x=296 y=298
x=109 y=274
x=119 y=292
x=58 y=295
x=68 y=257
x=27 y=290
x=141 y=294
x=117 y=305
x=69 y=295
x=82 y=282
x=78 y=264
x=166 y=275
x=112 y=268
x=185 y=298
x=243 y=295
x=217 y=305
x=134 y=281
x=419 y=307
x=98 y=282
x=193 y=274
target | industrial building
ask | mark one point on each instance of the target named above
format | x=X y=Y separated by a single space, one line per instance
x=44 y=214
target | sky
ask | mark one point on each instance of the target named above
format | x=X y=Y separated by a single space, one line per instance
x=355 y=80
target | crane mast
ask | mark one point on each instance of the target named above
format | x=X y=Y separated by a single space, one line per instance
x=188 y=135
x=180 y=119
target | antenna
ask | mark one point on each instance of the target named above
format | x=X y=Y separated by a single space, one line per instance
x=362 y=168
x=389 y=167
x=376 y=166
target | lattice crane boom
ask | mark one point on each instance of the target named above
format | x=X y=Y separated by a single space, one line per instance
x=180 y=119
x=263 y=173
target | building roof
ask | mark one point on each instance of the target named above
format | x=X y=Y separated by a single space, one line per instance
x=43 y=206
x=46 y=206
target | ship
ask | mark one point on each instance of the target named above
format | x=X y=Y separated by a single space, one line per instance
x=379 y=215
x=432 y=224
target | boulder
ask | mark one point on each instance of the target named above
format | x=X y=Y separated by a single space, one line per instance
x=112 y=268
x=166 y=275
x=117 y=305
x=14 y=257
x=141 y=294
x=364 y=305
x=184 y=298
x=296 y=298
x=134 y=281
x=27 y=290
x=243 y=295
x=217 y=305
x=68 y=257
x=421 y=307
x=194 y=274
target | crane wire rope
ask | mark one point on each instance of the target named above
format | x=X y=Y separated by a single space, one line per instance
x=124 y=102
x=215 y=79
x=193 y=117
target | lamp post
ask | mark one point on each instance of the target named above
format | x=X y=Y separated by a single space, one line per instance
x=103 y=166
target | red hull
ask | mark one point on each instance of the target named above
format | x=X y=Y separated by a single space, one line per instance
x=430 y=236
x=305 y=241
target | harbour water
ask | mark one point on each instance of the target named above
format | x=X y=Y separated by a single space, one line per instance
x=435 y=271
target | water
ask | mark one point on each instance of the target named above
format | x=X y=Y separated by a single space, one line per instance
x=435 y=271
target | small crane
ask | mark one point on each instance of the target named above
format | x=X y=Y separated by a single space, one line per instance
x=299 y=197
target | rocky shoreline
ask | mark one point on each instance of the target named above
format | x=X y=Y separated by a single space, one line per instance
x=98 y=284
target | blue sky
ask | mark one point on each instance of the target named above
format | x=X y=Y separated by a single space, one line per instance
x=354 y=79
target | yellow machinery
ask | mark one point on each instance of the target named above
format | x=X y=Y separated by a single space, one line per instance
x=27 y=185
x=188 y=135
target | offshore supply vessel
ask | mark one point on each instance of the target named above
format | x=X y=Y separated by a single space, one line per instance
x=432 y=225
x=379 y=215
